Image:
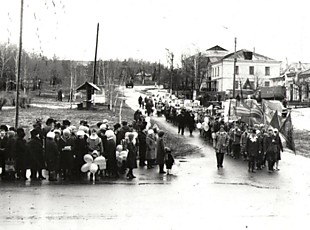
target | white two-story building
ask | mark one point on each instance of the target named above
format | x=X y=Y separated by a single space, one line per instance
x=258 y=69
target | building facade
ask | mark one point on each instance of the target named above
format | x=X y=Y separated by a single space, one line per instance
x=251 y=67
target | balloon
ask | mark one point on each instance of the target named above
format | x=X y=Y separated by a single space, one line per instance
x=102 y=165
x=124 y=154
x=119 y=148
x=198 y=125
x=88 y=158
x=93 y=168
x=85 y=167
x=99 y=160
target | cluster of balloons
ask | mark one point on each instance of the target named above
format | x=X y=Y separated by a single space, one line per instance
x=121 y=155
x=92 y=165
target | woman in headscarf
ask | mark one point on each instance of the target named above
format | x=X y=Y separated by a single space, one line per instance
x=52 y=153
x=111 y=154
x=80 y=150
x=132 y=156
x=150 y=148
x=66 y=156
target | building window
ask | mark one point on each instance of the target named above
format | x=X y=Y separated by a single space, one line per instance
x=267 y=83
x=267 y=71
x=218 y=71
x=251 y=70
x=237 y=70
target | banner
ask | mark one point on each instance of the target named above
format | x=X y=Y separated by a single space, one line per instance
x=275 y=121
x=287 y=131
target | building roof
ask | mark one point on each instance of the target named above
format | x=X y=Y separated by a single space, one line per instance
x=86 y=85
x=216 y=48
x=247 y=55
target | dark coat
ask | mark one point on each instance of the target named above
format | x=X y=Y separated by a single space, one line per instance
x=160 y=151
x=132 y=156
x=271 y=147
x=142 y=143
x=21 y=154
x=66 y=155
x=36 y=154
x=169 y=161
x=52 y=153
x=253 y=145
x=80 y=149
x=11 y=149
x=111 y=156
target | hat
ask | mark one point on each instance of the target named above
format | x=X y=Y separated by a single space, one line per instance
x=4 y=127
x=57 y=131
x=161 y=133
x=103 y=127
x=105 y=121
x=20 y=132
x=66 y=131
x=66 y=122
x=80 y=133
x=109 y=134
x=167 y=150
x=150 y=132
x=50 y=135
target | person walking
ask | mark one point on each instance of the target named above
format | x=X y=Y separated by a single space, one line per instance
x=181 y=122
x=221 y=143
x=253 y=149
x=270 y=149
x=161 y=152
x=142 y=144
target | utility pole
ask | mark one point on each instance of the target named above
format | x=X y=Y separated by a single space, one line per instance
x=196 y=68
x=159 y=70
x=235 y=61
x=171 y=74
x=19 y=62
x=95 y=63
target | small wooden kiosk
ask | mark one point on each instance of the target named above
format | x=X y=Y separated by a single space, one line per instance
x=89 y=88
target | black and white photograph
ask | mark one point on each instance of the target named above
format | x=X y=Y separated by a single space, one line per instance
x=154 y=114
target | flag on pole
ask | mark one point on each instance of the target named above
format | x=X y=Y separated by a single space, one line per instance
x=287 y=131
x=275 y=121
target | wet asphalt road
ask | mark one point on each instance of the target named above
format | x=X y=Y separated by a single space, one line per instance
x=196 y=196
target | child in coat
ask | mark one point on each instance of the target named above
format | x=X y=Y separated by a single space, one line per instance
x=169 y=161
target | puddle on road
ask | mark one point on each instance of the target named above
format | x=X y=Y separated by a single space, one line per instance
x=245 y=184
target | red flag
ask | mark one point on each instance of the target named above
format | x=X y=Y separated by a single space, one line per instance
x=275 y=121
x=287 y=131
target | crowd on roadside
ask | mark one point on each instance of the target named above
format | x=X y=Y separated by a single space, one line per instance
x=59 y=148
x=258 y=144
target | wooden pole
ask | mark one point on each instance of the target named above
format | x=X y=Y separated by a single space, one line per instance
x=19 y=62
x=235 y=61
x=95 y=63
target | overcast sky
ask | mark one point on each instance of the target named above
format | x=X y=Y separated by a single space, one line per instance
x=142 y=29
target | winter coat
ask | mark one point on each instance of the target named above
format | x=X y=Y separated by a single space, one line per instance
x=169 y=161
x=160 y=151
x=80 y=150
x=151 y=147
x=243 y=140
x=132 y=156
x=95 y=144
x=67 y=154
x=221 y=142
x=236 y=136
x=271 y=147
x=21 y=154
x=111 y=156
x=11 y=149
x=253 y=145
x=36 y=154
x=190 y=121
x=142 y=143
x=52 y=154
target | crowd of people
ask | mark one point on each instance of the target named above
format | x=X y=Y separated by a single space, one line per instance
x=59 y=149
x=258 y=144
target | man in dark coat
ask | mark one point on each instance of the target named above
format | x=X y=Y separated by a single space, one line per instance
x=36 y=155
x=80 y=150
x=131 y=157
x=121 y=133
x=142 y=144
x=181 y=122
x=140 y=99
x=10 y=153
x=270 y=149
x=21 y=154
x=253 y=149
x=190 y=121
x=161 y=152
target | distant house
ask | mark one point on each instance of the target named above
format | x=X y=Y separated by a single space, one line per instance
x=296 y=78
x=143 y=76
x=254 y=68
